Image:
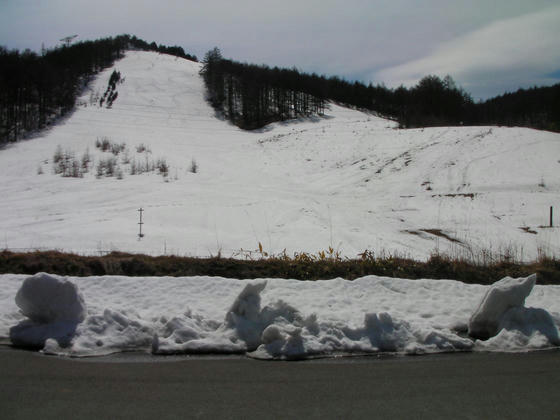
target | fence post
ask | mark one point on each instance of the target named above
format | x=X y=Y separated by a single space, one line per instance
x=140 y=235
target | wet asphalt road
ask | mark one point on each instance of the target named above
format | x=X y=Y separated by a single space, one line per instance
x=458 y=386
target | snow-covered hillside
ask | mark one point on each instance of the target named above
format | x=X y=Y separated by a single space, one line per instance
x=349 y=180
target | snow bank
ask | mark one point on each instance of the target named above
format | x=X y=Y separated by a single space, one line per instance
x=54 y=307
x=280 y=331
x=276 y=318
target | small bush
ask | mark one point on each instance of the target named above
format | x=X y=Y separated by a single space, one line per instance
x=141 y=148
x=194 y=167
x=107 y=167
x=133 y=167
x=58 y=154
x=110 y=166
x=137 y=168
x=162 y=167
x=125 y=157
x=106 y=145
x=66 y=164
x=86 y=160
x=103 y=144
x=74 y=169
x=117 y=148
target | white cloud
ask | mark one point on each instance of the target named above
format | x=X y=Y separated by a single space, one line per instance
x=519 y=50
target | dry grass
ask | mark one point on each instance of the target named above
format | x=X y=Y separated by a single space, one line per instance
x=323 y=265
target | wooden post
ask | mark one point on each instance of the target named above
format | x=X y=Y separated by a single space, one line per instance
x=140 y=235
x=551 y=216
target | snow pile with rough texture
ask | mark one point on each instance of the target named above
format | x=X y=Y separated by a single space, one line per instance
x=277 y=318
x=349 y=180
x=44 y=298
x=53 y=307
x=503 y=295
x=503 y=318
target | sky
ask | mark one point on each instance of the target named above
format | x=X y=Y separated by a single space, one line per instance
x=488 y=46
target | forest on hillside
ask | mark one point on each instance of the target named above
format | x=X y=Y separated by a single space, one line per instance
x=37 y=89
x=252 y=96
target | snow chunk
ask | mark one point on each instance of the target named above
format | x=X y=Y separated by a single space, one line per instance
x=380 y=333
x=523 y=329
x=503 y=295
x=44 y=299
x=54 y=307
x=34 y=335
x=110 y=332
x=245 y=314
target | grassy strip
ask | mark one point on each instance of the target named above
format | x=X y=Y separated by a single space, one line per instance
x=302 y=268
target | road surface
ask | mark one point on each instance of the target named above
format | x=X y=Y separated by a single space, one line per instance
x=459 y=386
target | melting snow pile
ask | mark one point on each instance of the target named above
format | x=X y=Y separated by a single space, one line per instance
x=503 y=318
x=276 y=318
x=54 y=308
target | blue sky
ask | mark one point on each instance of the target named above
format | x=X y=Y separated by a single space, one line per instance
x=488 y=47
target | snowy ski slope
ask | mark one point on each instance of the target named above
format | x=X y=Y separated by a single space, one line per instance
x=349 y=180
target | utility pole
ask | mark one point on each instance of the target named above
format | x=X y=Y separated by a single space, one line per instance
x=67 y=40
x=140 y=234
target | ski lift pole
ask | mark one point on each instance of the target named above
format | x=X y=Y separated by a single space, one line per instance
x=140 y=223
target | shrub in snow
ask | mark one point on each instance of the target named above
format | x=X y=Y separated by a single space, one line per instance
x=111 y=98
x=74 y=170
x=503 y=295
x=117 y=148
x=125 y=158
x=162 y=167
x=110 y=166
x=141 y=148
x=194 y=167
x=137 y=168
x=58 y=154
x=111 y=93
x=66 y=164
x=86 y=160
x=107 y=167
x=133 y=167
x=103 y=144
x=106 y=145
